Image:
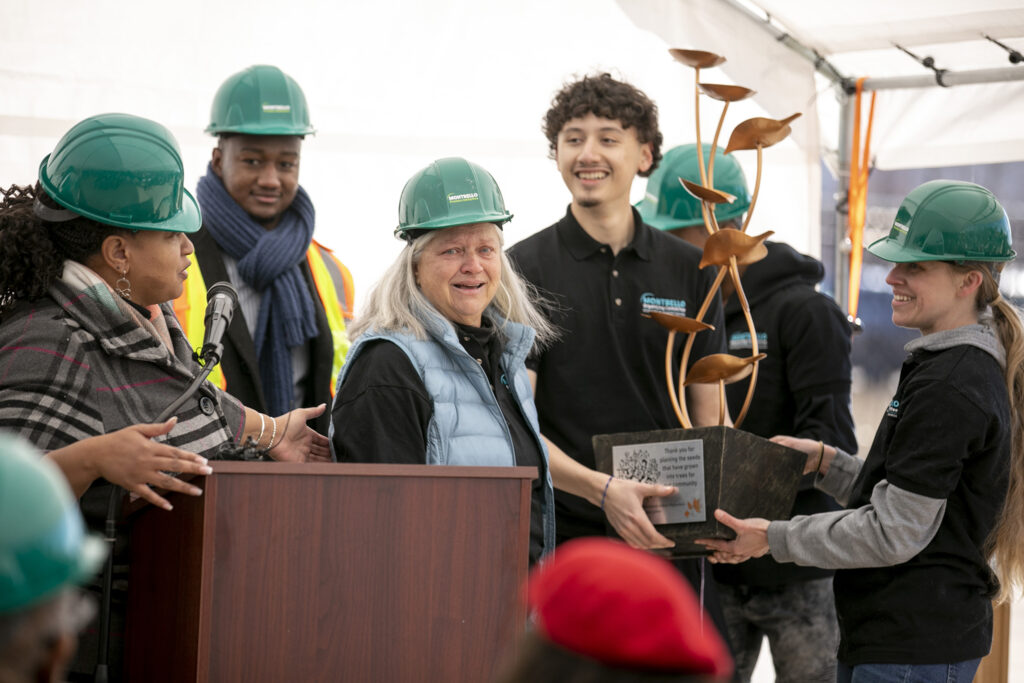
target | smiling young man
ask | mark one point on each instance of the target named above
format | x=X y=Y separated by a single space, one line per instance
x=285 y=348
x=605 y=271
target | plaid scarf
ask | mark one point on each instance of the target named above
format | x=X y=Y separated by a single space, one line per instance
x=85 y=280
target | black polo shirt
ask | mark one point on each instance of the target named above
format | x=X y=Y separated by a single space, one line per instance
x=607 y=372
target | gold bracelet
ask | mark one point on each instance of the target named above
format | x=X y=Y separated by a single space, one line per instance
x=263 y=426
x=821 y=456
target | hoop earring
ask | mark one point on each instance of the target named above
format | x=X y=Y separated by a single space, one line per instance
x=123 y=286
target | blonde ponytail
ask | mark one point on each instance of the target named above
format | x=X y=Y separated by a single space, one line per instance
x=1006 y=544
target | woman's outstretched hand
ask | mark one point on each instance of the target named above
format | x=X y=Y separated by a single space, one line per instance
x=751 y=539
x=299 y=442
x=131 y=458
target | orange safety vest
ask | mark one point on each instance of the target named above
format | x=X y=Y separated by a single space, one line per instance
x=334 y=286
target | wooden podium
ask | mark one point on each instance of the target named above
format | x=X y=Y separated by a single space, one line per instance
x=331 y=572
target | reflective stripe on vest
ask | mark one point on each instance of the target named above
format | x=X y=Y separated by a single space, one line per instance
x=329 y=277
x=341 y=278
x=334 y=288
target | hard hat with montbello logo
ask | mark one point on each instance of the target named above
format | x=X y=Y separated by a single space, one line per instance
x=120 y=170
x=449 y=192
x=260 y=100
x=43 y=543
x=667 y=205
x=947 y=220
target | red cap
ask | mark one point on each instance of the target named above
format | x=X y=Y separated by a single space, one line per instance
x=624 y=607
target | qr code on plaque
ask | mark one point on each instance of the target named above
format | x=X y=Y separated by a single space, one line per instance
x=638 y=465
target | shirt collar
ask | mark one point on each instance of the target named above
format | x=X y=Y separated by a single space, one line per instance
x=482 y=335
x=144 y=312
x=583 y=246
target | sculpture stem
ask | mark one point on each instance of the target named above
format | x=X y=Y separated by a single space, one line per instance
x=696 y=109
x=734 y=271
x=677 y=407
x=721 y=402
x=714 y=148
x=690 y=339
x=753 y=197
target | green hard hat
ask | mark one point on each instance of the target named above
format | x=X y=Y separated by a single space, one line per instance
x=121 y=170
x=43 y=543
x=260 y=100
x=667 y=205
x=947 y=220
x=447 y=193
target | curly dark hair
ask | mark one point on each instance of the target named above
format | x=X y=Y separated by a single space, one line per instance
x=603 y=96
x=33 y=251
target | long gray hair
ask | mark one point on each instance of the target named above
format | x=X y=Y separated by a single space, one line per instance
x=394 y=300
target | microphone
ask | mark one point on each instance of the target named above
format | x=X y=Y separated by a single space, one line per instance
x=221 y=300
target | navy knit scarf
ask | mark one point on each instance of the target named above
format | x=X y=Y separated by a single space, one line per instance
x=268 y=260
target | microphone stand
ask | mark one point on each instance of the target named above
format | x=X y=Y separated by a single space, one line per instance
x=210 y=355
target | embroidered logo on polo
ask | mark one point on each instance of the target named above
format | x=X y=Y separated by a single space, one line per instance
x=739 y=341
x=656 y=304
x=893 y=409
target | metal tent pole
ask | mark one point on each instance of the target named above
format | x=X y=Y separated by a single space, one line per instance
x=821 y=65
x=946 y=79
x=841 y=248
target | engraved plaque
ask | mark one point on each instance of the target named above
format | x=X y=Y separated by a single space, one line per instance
x=673 y=463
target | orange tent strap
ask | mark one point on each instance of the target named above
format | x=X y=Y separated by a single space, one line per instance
x=857 y=195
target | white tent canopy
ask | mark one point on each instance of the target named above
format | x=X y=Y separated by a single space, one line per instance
x=948 y=93
x=391 y=86
x=395 y=84
x=919 y=127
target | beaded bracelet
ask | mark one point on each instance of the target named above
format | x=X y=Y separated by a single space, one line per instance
x=273 y=434
x=605 y=492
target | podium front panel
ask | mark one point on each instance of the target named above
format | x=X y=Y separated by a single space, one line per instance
x=332 y=572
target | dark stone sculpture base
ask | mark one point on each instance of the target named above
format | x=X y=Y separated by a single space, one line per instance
x=745 y=475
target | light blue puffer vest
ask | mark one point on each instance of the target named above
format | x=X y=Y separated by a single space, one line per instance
x=467 y=427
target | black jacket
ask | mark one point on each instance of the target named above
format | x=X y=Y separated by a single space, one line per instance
x=944 y=435
x=803 y=386
x=240 y=364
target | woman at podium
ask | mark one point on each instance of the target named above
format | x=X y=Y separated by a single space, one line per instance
x=436 y=373
x=89 y=259
x=90 y=350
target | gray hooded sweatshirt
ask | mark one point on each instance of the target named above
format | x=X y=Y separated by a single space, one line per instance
x=896 y=525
